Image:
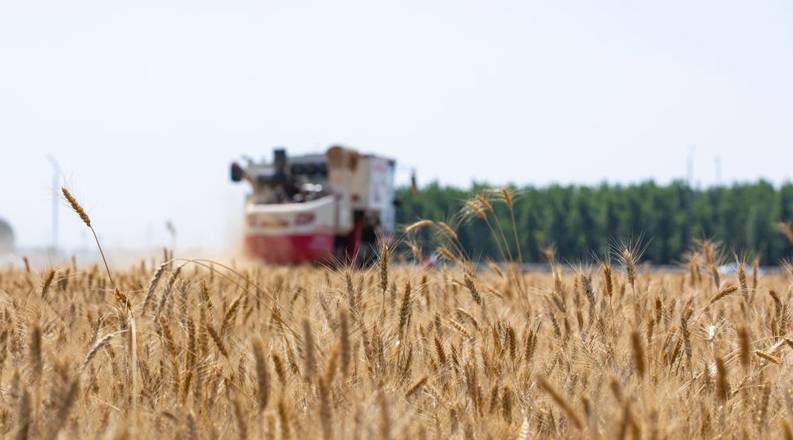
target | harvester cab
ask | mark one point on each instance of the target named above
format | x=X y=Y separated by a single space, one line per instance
x=317 y=207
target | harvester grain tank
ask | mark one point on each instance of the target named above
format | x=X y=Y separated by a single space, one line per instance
x=317 y=207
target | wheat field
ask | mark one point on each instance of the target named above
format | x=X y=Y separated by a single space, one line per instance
x=181 y=348
x=198 y=350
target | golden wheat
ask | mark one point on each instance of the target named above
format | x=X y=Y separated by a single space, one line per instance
x=395 y=351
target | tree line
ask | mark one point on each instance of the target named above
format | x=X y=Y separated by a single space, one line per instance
x=583 y=222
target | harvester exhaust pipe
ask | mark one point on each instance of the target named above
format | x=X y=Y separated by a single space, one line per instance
x=279 y=162
x=236 y=172
x=279 y=157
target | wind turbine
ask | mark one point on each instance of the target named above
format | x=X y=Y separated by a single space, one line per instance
x=56 y=175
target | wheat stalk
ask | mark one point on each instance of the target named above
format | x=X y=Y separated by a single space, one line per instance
x=561 y=402
x=87 y=220
x=98 y=345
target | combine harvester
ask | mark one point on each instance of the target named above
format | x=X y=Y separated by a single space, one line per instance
x=318 y=208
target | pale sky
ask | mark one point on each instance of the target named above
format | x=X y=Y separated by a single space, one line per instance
x=145 y=105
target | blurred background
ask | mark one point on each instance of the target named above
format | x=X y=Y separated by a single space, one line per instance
x=142 y=106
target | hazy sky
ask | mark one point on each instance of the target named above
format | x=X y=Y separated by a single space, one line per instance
x=145 y=105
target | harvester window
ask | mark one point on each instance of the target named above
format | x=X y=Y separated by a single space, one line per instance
x=311 y=170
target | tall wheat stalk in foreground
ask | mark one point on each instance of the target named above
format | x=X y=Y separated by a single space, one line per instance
x=87 y=220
